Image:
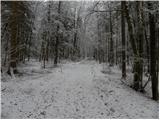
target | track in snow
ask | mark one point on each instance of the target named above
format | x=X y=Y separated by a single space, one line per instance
x=74 y=90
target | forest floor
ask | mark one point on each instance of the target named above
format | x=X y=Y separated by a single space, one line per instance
x=72 y=90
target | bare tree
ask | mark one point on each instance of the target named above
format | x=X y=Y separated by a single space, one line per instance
x=123 y=40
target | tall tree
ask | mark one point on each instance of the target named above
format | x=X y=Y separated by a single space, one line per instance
x=57 y=36
x=17 y=21
x=111 y=38
x=154 y=77
x=140 y=39
x=134 y=48
x=123 y=40
x=13 y=40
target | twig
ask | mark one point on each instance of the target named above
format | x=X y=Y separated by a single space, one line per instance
x=146 y=82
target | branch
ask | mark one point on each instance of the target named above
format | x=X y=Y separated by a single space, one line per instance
x=91 y=11
x=106 y=10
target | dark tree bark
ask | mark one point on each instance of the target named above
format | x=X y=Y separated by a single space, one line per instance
x=147 y=44
x=134 y=48
x=137 y=59
x=75 y=27
x=140 y=39
x=154 y=77
x=13 y=40
x=43 y=51
x=6 y=52
x=123 y=41
x=117 y=32
x=75 y=34
x=48 y=32
x=29 y=45
x=130 y=29
x=111 y=40
x=57 y=38
x=127 y=46
x=99 y=39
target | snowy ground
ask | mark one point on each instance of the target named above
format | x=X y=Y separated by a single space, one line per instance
x=73 y=90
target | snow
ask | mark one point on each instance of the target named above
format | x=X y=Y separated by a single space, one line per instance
x=73 y=90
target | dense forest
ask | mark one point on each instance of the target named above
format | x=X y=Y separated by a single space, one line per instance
x=118 y=34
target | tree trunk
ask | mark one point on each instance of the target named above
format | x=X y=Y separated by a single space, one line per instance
x=154 y=78
x=134 y=48
x=123 y=41
x=75 y=28
x=29 y=47
x=111 y=41
x=57 y=38
x=48 y=32
x=13 y=40
x=140 y=39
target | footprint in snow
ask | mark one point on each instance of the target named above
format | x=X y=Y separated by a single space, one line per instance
x=112 y=110
x=43 y=113
x=105 y=104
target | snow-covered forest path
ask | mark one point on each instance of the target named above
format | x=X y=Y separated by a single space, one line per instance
x=74 y=90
